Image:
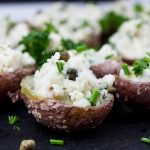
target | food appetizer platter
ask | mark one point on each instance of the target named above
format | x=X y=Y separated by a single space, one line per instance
x=72 y=80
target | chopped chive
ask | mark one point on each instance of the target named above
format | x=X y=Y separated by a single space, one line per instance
x=81 y=48
x=138 y=8
x=56 y=142
x=60 y=66
x=139 y=26
x=94 y=96
x=140 y=65
x=145 y=140
x=126 y=69
x=85 y=24
x=13 y=121
x=109 y=56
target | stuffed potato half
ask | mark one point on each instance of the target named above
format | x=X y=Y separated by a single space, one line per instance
x=133 y=92
x=68 y=97
x=103 y=62
x=133 y=83
x=14 y=66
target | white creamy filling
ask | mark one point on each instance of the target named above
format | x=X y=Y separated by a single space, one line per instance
x=17 y=33
x=49 y=83
x=101 y=56
x=4 y=24
x=72 y=17
x=11 y=60
x=144 y=77
x=124 y=8
x=55 y=40
x=39 y=20
x=132 y=39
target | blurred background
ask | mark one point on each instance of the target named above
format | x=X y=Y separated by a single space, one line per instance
x=48 y=0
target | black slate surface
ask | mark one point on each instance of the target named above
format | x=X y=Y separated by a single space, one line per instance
x=121 y=130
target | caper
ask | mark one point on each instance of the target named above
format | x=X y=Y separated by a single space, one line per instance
x=72 y=74
x=27 y=145
x=64 y=56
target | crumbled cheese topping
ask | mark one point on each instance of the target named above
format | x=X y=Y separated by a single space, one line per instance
x=132 y=39
x=48 y=82
x=144 y=77
x=17 y=33
x=69 y=24
x=98 y=57
x=11 y=60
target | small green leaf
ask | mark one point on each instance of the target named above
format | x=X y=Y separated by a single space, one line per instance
x=111 y=21
x=140 y=65
x=13 y=121
x=68 y=44
x=138 y=8
x=37 y=43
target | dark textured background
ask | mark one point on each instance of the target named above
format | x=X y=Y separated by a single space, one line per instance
x=121 y=130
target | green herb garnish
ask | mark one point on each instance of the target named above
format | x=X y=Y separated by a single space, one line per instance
x=138 y=8
x=85 y=24
x=139 y=26
x=81 y=48
x=56 y=142
x=94 y=96
x=37 y=42
x=51 y=28
x=60 y=66
x=145 y=140
x=140 y=65
x=111 y=21
x=63 y=21
x=109 y=56
x=68 y=44
x=126 y=70
x=13 y=121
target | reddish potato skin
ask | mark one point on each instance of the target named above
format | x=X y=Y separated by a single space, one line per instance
x=135 y=93
x=62 y=117
x=128 y=61
x=109 y=67
x=92 y=41
x=10 y=82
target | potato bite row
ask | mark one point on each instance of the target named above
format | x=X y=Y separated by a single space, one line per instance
x=66 y=80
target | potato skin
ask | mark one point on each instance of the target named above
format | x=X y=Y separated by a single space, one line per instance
x=10 y=82
x=62 y=117
x=135 y=93
x=92 y=41
x=128 y=61
x=109 y=67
